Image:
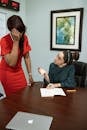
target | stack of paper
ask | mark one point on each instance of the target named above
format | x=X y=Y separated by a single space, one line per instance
x=51 y=92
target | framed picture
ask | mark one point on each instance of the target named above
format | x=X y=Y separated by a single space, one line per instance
x=66 y=29
x=10 y=4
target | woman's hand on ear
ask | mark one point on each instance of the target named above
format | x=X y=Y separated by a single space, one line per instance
x=16 y=35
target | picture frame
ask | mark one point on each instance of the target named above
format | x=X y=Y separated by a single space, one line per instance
x=10 y=4
x=66 y=29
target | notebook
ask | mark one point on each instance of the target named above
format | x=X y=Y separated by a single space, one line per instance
x=29 y=121
x=51 y=92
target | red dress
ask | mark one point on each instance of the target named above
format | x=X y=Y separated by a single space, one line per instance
x=12 y=78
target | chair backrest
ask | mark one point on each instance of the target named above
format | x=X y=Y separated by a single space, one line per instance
x=81 y=73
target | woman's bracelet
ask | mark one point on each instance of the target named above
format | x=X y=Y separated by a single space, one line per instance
x=29 y=74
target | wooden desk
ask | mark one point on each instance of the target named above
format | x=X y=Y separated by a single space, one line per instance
x=69 y=112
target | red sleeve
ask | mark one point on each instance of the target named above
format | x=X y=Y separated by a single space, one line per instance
x=5 y=48
x=27 y=46
x=0 y=47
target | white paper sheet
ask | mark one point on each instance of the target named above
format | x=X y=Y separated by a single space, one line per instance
x=59 y=91
x=51 y=92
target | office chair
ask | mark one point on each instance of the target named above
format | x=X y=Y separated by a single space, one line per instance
x=81 y=73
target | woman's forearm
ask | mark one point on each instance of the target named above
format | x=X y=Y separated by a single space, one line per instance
x=46 y=77
x=28 y=66
x=28 y=63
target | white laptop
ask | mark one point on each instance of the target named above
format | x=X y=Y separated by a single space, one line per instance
x=29 y=121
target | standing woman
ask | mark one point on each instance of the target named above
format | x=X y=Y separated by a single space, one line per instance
x=14 y=46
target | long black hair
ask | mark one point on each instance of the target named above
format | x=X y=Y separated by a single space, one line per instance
x=16 y=22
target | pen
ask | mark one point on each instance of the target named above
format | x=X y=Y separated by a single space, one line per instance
x=73 y=90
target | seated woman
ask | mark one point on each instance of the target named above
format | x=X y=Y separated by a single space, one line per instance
x=61 y=71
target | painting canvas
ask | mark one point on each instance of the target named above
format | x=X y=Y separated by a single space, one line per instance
x=65 y=30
